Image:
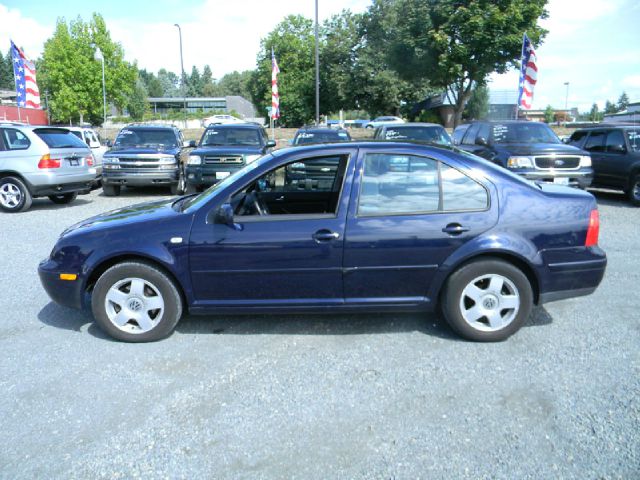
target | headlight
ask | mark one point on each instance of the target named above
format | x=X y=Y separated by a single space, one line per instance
x=585 y=161
x=250 y=158
x=167 y=160
x=520 y=162
x=107 y=160
x=194 y=160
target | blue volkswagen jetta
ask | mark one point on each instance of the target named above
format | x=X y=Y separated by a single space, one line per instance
x=358 y=227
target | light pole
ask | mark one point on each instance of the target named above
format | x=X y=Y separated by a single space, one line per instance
x=566 y=103
x=99 y=56
x=317 y=70
x=184 y=90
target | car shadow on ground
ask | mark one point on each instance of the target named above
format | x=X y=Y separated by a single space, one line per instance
x=142 y=192
x=611 y=198
x=300 y=324
x=46 y=204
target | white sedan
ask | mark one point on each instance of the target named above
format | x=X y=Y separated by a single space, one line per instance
x=376 y=122
x=220 y=120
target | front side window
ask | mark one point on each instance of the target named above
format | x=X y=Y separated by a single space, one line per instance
x=470 y=135
x=577 y=138
x=615 y=142
x=458 y=133
x=15 y=139
x=406 y=185
x=595 y=142
x=305 y=187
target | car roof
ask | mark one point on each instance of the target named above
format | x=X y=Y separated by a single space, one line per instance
x=603 y=126
x=412 y=124
x=320 y=128
x=247 y=125
x=370 y=144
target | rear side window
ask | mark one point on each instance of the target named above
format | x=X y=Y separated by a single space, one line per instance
x=407 y=185
x=615 y=141
x=15 y=139
x=470 y=137
x=595 y=142
x=58 y=138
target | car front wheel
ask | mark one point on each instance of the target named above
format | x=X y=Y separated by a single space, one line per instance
x=136 y=302
x=487 y=300
x=110 y=190
x=14 y=195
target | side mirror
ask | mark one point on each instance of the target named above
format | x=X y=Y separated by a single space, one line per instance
x=224 y=216
x=291 y=142
x=566 y=140
x=482 y=141
x=271 y=143
x=109 y=143
x=192 y=144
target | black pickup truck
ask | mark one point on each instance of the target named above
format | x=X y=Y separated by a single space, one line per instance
x=146 y=155
x=530 y=149
x=615 y=153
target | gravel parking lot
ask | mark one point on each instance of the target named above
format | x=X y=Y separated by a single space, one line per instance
x=388 y=396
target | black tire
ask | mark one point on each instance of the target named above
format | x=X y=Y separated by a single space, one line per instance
x=467 y=275
x=153 y=278
x=191 y=188
x=180 y=187
x=64 y=198
x=634 y=191
x=110 y=190
x=14 y=195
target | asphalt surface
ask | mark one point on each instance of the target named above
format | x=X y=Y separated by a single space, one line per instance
x=387 y=396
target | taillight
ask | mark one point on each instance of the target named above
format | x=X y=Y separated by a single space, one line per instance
x=594 y=229
x=47 y=162
x=89 y=160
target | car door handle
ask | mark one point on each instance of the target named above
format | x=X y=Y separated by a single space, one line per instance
x=455 y=229
x=280 y=198
x=325 y=236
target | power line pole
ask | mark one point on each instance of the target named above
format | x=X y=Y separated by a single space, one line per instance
x=317 y=70
x=184 y=89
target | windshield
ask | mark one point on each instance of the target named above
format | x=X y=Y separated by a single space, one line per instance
x=525 y=132
x=196 y=200
x=424 y=134
x=140 y=137
x=634 y=139
x=231 y=136
x=59 y=138
x=321 y=137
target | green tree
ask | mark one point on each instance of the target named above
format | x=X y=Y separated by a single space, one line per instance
x=207 y=82
x=594 y=114
x=73 y=77
x=293 y=43
x=235 y=83
x=138 y=104
x=610 y=108
x=478 y=106
x=151 y=83
x=456 y=45
x=194 y=83
x=623 y=102
x=6 y=72
x=549 y=114
x=170 y=83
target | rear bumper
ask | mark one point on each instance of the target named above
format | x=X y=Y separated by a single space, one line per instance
x=580 y=178
x=577 y=277
x=63 y=292
x=45 y=190
x=158 y=177
x=50 y=183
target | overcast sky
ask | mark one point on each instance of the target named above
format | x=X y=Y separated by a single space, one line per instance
x=592 y=44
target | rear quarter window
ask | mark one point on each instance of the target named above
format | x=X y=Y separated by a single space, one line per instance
x=57 y=138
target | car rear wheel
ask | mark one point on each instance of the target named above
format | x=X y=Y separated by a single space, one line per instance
x=64 y=198
x=14 y=195
x=136 y=302
x=111 y=190
x=487 y=300
x=634 y=191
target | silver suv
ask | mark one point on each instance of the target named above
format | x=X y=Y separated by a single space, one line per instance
x=40 y=161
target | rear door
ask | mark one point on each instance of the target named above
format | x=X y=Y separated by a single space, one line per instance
x=407 y=215
x=616 y=158
x=602 y=174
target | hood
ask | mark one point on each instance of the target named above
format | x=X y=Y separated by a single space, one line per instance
x=142 y=212
x=539 y=149
x=116 y=151
x=229 y=150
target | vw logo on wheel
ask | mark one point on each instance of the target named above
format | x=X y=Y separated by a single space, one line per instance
x=135 y=305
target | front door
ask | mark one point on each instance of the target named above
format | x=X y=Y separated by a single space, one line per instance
x=286 y=247
x=407 y=215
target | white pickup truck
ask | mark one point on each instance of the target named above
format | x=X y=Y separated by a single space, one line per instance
x=91 y=138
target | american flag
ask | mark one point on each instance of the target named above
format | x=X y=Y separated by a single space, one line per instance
x=275 y=99
x=528 y=73
x=24 y=71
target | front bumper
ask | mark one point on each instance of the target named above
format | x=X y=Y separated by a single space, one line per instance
x=580 y=178
x=63 y=292
x=204 y=176
x=140 y=178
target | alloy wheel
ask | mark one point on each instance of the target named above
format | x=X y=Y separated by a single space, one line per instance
x=134 y=305
x=489 y=302
x=10 y=195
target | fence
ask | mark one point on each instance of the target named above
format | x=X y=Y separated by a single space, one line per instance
x=30 y=116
